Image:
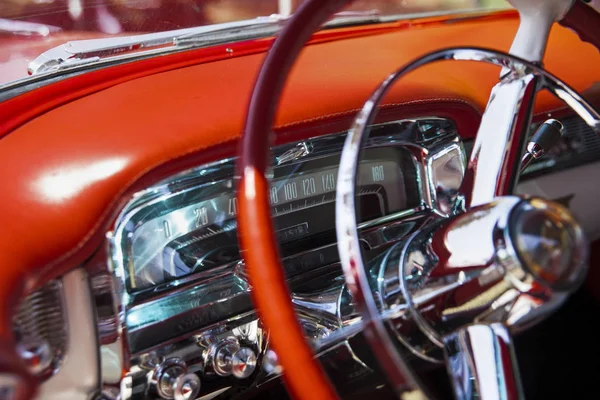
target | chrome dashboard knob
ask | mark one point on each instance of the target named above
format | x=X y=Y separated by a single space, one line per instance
x=186 y=387
x=222 y=356
x=37 y=354
x=229 y=358
x=243 y=363
x=173 y=381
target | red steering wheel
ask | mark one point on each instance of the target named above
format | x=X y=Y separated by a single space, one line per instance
x=303 y=376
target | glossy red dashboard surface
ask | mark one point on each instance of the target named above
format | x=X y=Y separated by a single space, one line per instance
x=73 y=151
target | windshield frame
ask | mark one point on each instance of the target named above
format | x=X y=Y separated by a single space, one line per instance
x=37 y=80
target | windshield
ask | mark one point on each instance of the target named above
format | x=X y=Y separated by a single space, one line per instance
x=30 y=27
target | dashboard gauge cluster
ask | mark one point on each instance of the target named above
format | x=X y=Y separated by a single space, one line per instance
x=182 y=297
x=181 y=286
x=194 y=231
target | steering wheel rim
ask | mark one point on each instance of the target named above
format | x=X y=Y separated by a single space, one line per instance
x=257 y=238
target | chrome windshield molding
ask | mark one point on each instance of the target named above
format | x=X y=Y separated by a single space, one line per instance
x=476 y=353
x=92 y=50
x=39 y=79
x=79 y=53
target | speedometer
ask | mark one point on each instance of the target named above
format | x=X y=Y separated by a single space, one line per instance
x=195 y=230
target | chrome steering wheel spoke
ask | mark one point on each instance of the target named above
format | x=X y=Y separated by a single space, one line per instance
x=496 y=158
x=478 y=351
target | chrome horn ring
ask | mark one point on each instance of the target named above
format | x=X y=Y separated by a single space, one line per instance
x=478 y=191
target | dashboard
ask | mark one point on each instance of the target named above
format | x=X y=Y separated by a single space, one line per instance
x=176 y=300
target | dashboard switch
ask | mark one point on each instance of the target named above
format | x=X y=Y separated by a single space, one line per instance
x=173 y=381
x=186 y=387
x=229 y=358
x=243 y=363
x=223 y=354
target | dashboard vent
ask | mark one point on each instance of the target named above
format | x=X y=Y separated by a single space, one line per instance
x=584 y=139
x=40 y=329
x=579 y=145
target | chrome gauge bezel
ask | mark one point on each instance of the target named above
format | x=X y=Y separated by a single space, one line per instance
x=426 y=141
x=217 y=177
x=204 y=307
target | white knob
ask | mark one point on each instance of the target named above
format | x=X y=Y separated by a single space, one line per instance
x=223 y=356
x=186 y=387
x=174 y=381
x=243 y=363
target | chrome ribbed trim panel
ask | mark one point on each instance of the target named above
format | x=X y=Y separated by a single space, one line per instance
x=41 y=319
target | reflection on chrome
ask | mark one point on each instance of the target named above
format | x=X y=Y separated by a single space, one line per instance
x=479 y=354
x=490 y=170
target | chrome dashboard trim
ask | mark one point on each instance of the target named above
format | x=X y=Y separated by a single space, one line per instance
x=46 y=73
x=41 y=328
x=120 y=336
x=215 y=176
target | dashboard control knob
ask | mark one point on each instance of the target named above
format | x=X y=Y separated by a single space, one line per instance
x=173 y=381
x=243 y=363
x=271 y=363
x=186 y=387
x=37 y=355
x=222 y=358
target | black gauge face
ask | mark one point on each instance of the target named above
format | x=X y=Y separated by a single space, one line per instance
x=195 y=230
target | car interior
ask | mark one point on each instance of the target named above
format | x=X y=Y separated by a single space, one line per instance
x=307 y=199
